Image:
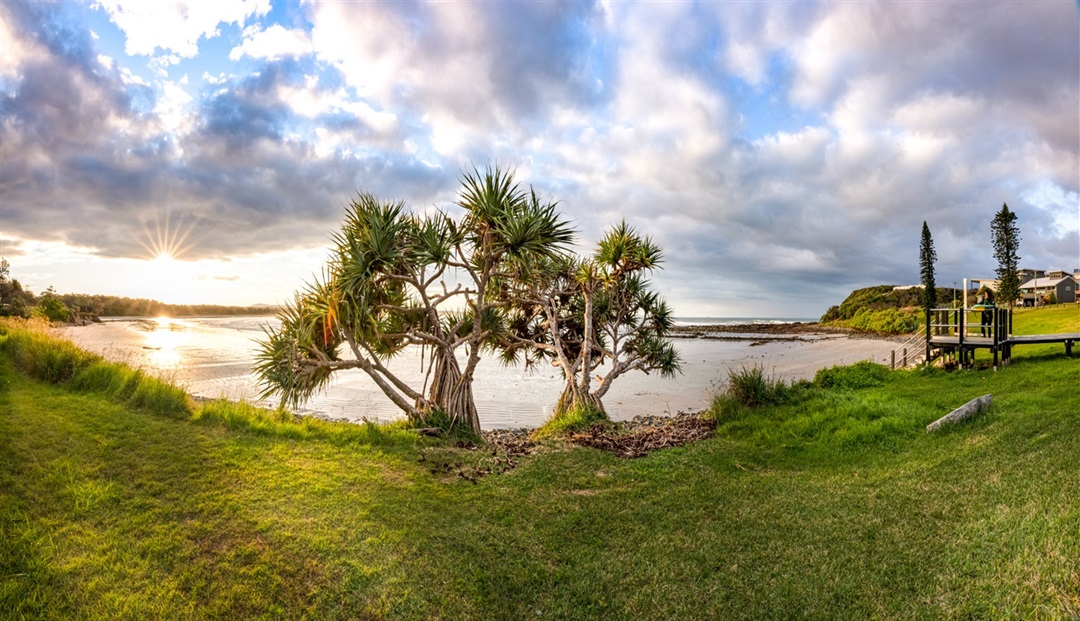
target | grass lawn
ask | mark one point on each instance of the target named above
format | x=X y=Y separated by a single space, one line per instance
x=834 y=505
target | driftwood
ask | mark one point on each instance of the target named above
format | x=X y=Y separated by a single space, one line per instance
x=969 y=409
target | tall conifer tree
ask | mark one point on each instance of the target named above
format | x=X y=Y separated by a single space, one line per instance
x=927 y=257
x=1006 y=239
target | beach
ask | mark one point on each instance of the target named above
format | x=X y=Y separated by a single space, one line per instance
x=212 y=357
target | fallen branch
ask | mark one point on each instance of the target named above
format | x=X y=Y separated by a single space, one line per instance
x=969 y=409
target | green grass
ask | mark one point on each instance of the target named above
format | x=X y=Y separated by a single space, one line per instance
x=1062 y=318
x=835 y=504
x=1047 y=320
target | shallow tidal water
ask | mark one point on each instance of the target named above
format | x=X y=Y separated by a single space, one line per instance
x=212 y=358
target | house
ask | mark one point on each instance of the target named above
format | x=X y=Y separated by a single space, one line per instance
x=1026 y=274
x=1061 y=285
x=1039 y=284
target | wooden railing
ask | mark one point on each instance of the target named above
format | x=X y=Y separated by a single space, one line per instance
x=910 y=352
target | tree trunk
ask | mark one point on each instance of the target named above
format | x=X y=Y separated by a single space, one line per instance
x=572 y=398
x=452 y=393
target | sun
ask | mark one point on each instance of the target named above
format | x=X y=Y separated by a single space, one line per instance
x=170 y=272
x=166 y=275
x=167 y=279
x=166 y=241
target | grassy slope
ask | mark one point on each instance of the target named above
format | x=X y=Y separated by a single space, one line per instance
x=840 y=507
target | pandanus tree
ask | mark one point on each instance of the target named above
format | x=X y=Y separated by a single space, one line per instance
x=386 y=288
x=596 y=318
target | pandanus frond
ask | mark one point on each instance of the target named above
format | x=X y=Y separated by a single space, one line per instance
x=434 y=239
x=622 y=250
x=372 y=239
x=288 y=359
x=661 y=317
x=504 y=220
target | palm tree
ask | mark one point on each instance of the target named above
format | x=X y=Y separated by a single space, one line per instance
x=593 y=316
x=385 y=289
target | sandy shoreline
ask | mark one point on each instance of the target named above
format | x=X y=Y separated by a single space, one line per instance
x=211 y=358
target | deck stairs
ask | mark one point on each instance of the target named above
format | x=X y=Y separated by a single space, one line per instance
x=912 y=352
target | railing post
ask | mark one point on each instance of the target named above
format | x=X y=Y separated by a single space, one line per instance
x=929 y=329
x=892 y=359
x=960 y=328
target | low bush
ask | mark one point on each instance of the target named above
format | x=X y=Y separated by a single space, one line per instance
x=752 y=386
x=863 y=374
x=41 y=355
x=56 y=361
x=885 y=321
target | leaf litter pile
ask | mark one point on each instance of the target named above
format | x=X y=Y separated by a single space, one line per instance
x=504 y=449
x=646 y=435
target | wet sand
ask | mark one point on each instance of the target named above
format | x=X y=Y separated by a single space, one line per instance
x=212 y=358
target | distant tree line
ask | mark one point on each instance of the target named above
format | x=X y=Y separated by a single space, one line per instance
x=16 y=301
x=112 y=306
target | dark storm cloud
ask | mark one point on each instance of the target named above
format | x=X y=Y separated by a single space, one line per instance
x=543 y=52
x=241 y=122
x=60 y=150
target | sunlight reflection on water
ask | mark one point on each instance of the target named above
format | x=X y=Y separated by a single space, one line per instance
x=164 y=337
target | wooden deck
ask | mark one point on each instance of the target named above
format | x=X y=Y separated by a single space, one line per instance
x=951 y=333
x=1031 y=339
x=983 y=342
x=953 y=340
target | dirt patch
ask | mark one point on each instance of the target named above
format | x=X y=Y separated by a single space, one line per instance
x=502 y=452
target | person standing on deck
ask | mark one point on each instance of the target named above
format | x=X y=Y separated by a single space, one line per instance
x=985 y=302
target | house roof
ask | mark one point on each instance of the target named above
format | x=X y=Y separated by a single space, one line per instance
x=1044 y=282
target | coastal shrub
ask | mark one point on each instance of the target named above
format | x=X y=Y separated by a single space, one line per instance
x=880 y=297
x=111 y=379
x=885 y=321
x=52 y=309
x=50 y=359
x=43 y=356
x=752 y=386
x=160 y=397
x=863 y=374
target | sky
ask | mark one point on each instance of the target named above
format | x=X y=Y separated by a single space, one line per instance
x=781 y=153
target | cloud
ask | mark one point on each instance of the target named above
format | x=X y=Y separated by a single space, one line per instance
x=272 y=43
x=790 y=147
x=177 y=26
